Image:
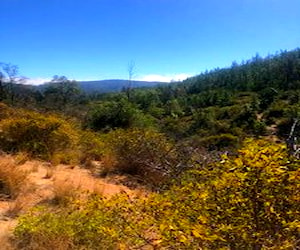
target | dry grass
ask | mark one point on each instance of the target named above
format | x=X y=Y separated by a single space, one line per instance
x=15 y=208
x=108 y=165
x=64 y=191
x=98 y=189
x=49 y=172
x=35 y=167
x=6 y=238
x=5 y=243
x=12 y=178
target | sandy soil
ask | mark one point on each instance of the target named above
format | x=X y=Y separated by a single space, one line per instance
x=42 y=182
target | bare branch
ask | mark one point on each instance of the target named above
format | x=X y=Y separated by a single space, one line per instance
x=291 y=141
x=131 y=73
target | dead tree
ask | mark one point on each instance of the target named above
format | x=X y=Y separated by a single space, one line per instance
x=291 y=141
x=131 y=72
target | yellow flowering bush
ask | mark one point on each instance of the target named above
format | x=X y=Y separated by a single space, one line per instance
x=38 y=135
x=250 y=201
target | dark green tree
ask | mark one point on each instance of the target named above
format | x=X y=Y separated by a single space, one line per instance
x=9 y=77
x=60 y=92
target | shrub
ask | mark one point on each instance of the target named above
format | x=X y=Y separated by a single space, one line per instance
x=143 y=152
x=64 y=192
x=218 y=142
x=259 y=128
x=116 y=114
x=247 y=202
x=276 y=111
x=246 y=118
x=250 y=201
x=91 y=147
x=69 y=156
x=38 y=135
x=228 y=112
x=176 y=127
x=96 y=223
x=5 y=111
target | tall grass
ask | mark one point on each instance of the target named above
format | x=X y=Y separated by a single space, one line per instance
x=12 y=178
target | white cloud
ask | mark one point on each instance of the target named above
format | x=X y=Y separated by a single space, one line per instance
x=165 y=78
x=37 y=81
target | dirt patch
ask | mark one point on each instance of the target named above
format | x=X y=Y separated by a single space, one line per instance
x=42 y=179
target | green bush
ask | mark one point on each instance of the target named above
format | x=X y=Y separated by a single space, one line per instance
x=218 y=142
x=228 y=112
x=176 y=127
x=5 y=111
x=259 y=128
x=276 y=111
x=91 y=147
x=116 y=114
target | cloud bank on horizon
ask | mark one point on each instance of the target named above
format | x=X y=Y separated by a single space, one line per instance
x=37 y=81
x=165 y=78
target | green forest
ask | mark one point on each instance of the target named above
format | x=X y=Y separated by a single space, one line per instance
x=218 y=155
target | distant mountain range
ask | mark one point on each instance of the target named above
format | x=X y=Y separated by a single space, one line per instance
x=105 y=86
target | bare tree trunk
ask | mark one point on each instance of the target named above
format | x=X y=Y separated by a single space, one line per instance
x=291 y=141
x=131 y=68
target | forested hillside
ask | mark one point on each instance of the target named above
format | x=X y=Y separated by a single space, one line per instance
x=217 y=155
x=225 y=103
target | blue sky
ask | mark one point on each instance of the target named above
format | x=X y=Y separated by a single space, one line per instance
x=167 y=39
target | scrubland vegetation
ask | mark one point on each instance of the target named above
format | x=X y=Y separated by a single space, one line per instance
x=217 y=155
x=250 y=201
